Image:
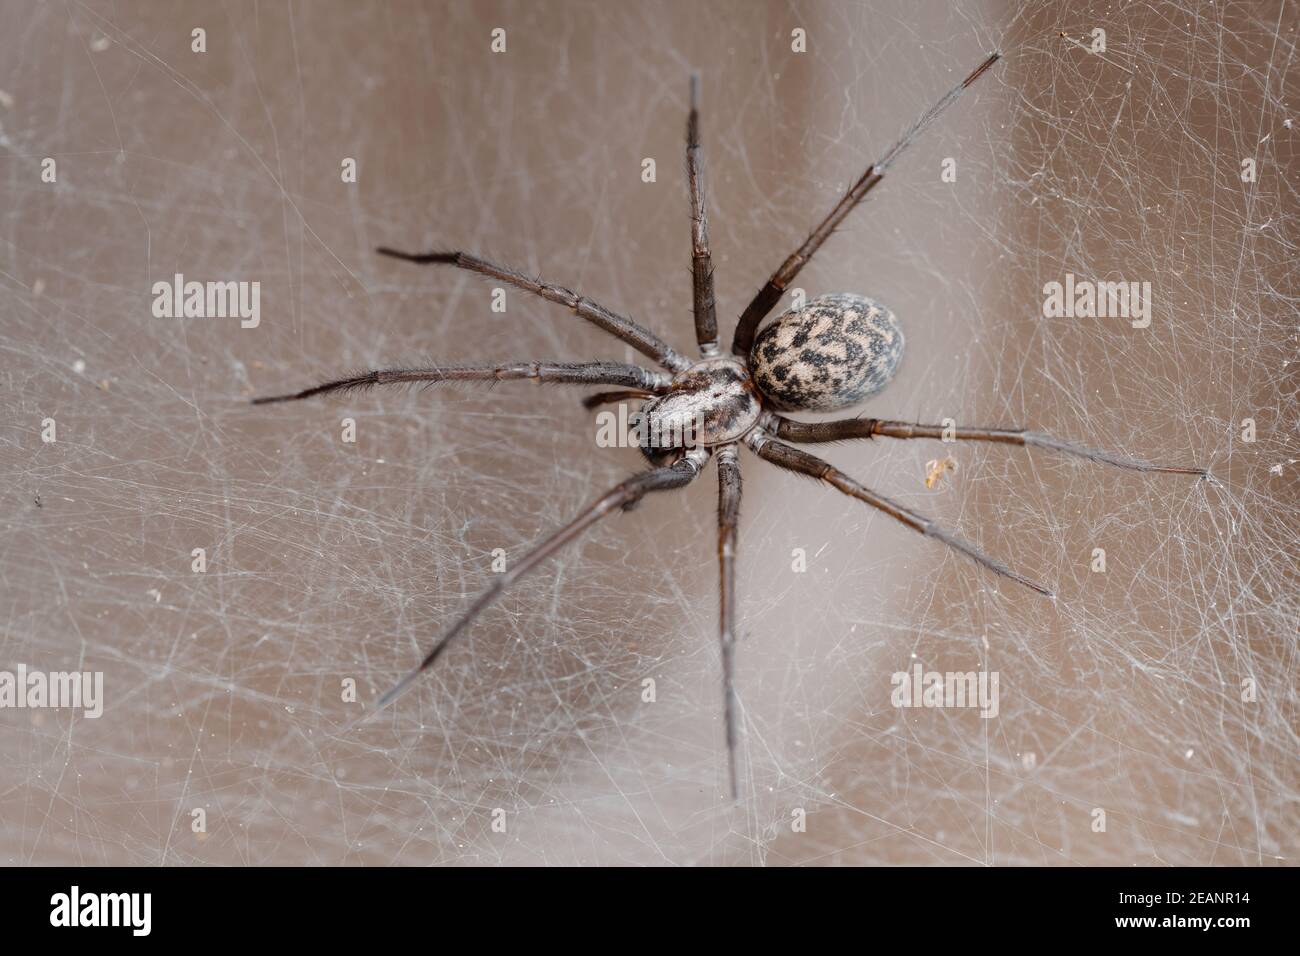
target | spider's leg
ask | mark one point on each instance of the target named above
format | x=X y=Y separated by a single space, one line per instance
x=793 y=459
x=706 y=313
x=846 y=428
x=623 y=495
x=641 y=339
x=573 y=373
x=771 y=292
x=729 y=485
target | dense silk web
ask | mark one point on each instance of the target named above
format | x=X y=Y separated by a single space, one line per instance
x=329 y=561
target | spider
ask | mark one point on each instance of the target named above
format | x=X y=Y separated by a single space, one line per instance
x=826 y=355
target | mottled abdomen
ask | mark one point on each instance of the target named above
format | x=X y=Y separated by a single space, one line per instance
x=834 y=352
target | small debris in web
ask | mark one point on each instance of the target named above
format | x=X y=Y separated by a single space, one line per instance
x=936 y=469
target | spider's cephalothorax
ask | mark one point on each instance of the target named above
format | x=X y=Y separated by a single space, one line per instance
x=831 y=353
x=712 y=402
x=834 y=352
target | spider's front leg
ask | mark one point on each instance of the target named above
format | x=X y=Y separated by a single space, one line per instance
x=620 y=326
x=573 y=373
x=848 y=428
x=704 y=305
x=793 y=459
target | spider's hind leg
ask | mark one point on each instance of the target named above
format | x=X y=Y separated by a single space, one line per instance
x=796 y=460
x=848 y=428
x=680 y=473
x=772 y=290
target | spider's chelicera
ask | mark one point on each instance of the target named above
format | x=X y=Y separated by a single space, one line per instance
x=829 y=354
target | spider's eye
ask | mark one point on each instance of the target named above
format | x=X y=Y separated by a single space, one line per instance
x=834 y=352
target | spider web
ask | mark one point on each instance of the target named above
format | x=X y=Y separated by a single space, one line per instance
x=329 y=561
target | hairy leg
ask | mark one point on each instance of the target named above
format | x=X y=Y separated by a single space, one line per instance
x=572 y=373
x=705 y=308
x=768 y=295
x=848 y=428
x=729 y=488
x=641 y=339
x=793 y=459
x=622 y=496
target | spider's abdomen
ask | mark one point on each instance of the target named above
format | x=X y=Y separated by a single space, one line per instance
x=834 y=352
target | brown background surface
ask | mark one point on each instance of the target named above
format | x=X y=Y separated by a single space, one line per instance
x=330 y=561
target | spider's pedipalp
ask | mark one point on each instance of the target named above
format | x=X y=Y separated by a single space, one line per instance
x=793 y=459
x=613 y=398
x=640 y=338
x=680 y=473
